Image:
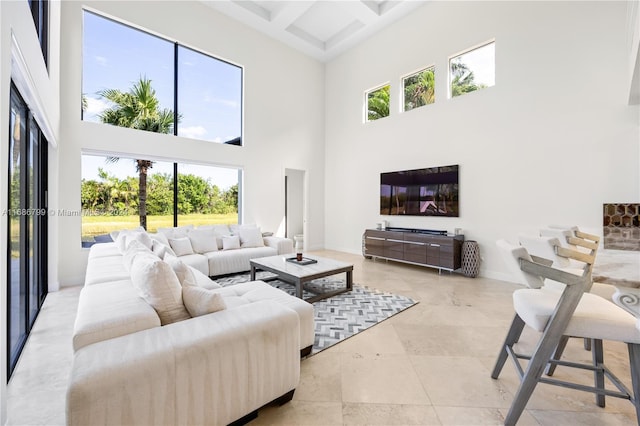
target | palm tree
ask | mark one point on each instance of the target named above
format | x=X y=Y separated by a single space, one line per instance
x=378 y=103
x=139 y=109
x=419 y=89
x=463 y=80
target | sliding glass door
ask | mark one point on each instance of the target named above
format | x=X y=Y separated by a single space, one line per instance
x=27 y=226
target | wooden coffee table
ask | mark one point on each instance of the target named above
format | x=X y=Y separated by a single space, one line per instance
x=300 y=273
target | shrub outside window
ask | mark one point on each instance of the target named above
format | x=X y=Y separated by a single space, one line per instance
x=472 y=70
x=174 y=194
x=419 y=89
x=378 y=103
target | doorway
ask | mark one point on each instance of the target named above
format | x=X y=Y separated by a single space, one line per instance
x=26 y=225
x=294 y=200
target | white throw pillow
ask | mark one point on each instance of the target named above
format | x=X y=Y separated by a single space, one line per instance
x=125 y=237
x=140 y=236
x=176 y=232
x=220 y=231
x=203 y=240
x=179 y=267
x=158 y=285
x=181 y=246
x=200 y=301
x=160 y=237
x=250 y=237
x=230 y=242
x=182 y=231
x=234 y=228
x=134 y=249
x=160 y=249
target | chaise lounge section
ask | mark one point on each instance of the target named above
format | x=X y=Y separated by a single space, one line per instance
x=143 y=359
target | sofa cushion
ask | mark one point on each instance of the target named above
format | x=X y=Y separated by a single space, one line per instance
x=181 y=246
x=104 y=250
x=255 y=291
x=105 y=269
x=197 y=261
x=180 y=267
x=230 y=242
x=134 y=249
x=161 y=249
x=200 y=301
x=126 y=236
x=232 y=261
x=175 y=232
x=111 y=310
x=203 y=240
x=250 y=237
x=220 y=231
x=158 y=285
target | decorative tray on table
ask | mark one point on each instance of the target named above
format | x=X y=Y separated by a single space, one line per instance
x=304 y=261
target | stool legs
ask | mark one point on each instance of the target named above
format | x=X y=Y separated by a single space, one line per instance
x=512 y=338
x=634 y=362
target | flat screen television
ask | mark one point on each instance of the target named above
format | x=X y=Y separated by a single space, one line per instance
x=421 y=192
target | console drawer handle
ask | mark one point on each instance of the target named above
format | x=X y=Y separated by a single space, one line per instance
x=435 y=245
x=375 y=238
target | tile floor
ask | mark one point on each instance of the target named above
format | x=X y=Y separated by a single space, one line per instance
x=429 y=365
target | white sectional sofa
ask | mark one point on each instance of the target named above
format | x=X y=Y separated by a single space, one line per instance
x=221 y=249
x=157 y=342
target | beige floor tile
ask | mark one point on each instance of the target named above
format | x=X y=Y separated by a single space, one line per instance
x=383 y=379
x=388 y=414
x=460 y=382
x=320 y=379
x=301 y=413
x=469 y=416
x=566 y=418
x=380 y=339
x=440 y=340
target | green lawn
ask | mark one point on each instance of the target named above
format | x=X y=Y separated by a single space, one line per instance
x=100 y=225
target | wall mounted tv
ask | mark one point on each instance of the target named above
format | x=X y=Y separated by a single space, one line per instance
x=421 y=192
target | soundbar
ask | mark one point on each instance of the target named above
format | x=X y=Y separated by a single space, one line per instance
x=418 y=231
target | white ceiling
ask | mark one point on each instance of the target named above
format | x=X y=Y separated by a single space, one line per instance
x=321 y=29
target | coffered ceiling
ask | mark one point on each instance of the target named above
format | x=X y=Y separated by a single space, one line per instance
x=321 y=29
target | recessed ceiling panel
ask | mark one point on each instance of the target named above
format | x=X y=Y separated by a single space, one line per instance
x=324 y=19
x=319 y=28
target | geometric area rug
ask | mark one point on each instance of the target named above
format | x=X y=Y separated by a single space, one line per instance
x=341 y=316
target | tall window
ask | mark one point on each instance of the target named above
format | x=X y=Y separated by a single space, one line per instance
x=377 y=103
x=174 y=194
x=40 y=13
x=27 y=225
x=473 y=70
x=419 y=89
x=134 y=79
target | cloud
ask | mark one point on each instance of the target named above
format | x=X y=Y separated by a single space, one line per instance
x=225 y=102
x=95 y=107
x=194 y=132
x=101 y=60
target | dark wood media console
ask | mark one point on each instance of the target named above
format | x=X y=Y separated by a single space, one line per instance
x=415 y=246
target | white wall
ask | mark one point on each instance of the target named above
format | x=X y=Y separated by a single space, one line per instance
x=551 y=142
x=284 y=117
x=40 y=88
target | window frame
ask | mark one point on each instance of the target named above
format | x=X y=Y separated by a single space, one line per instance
x=175 y=65
x=366 y=101
x=174 y=179
x=40 y=14
x=464 y=52
x=411 y=74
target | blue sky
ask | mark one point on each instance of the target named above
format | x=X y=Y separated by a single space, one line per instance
x=210 y=91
